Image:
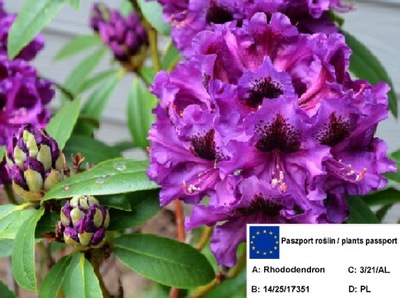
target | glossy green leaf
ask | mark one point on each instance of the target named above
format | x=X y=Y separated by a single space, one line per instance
x=17 y=220
x=54 y=279
x=123 y=146
x=6 y=246
x=5 y=291
x=120 y=175
x=170 y=57
x=93 y=150
x=359 y=211
x=366 y=65
x=118 y=202
x=23 y=255
x=77 y=45
x=80 y=279
x=382 y=197
x=97 y=101
x=47 y=223
x=152 y=11
x=140 y=104
x=74 y=3
x=31 y=19
x=144 y=205
x=97 y=79
x=8 y=215
x=78 y=75
x=61 y=125
x=147 y=74
x=163 y=260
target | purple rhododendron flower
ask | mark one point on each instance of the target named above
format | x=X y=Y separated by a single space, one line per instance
x=269 y=126
x=125 y=36
x=189 y=17
x=27 y=53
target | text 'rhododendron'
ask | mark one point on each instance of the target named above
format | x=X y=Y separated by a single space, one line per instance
x=267 y=123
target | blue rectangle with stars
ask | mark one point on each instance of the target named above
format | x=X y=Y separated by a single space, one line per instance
x=264 y=242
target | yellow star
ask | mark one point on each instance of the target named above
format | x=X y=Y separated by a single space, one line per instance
x=264 y=253
x=253 y=248
x=270 y=233
x=264 y=231
x=276 y=242
x=258 y=233
x=258 y=251
x=270 y=252
x=275 y=236
x=251 y=242
x=253 y=237
x=275 y=248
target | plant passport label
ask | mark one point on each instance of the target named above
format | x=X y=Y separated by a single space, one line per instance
x=325 y=260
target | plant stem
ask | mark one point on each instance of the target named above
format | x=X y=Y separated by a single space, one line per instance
x=95 y=258
x=154 y=49
x=179 y=220
x=204 y=238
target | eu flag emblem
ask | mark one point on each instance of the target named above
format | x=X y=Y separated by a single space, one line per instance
x=264 y=242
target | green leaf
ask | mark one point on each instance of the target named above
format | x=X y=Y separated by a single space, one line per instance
x=97 y=79
x=74 y=3
x=123 y=146
x=47 y=223
x=395 y=156
x=6 y=246
x=359 y=211
x=97 y=101
x=54 y=279
x=77 y=45
x=8 y=218
x=170 y=57
x=380 y=214
x=23 y=255
x=5 y=291
x=93 y=150
x=17 y=220
x=113 y=176
x=144 y=205
x=61 y=125
x=366 y=65
x=230 y=288
x=115 y=201
x=80 y=279
x=126 y=8
x=78 y=75
x=2 y=152
x=147 y=74
x=32 y=18
x=382 y=197
x=140 y=104
x=152 y=11
x=163 y=260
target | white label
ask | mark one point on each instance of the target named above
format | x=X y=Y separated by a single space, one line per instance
x=326 y=260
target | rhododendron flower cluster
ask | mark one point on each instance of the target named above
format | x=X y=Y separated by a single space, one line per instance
x=125 y=36
x=266 y=122
x=189 y=17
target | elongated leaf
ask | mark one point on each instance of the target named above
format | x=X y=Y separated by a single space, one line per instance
x=93 y=150
x=383 y=197
x=8 y=214
x=360 y=212
x=152 y=11
x=144 y=205
x=77 y=45
x=16 y=221
x=23 y=256
x=118 y=202
x=170 y=56
x=97 y=101
x=32 y=18
x=74 y=3
x=5 y=292
x=2 y=153
x=140 y=104
x=61 y=125
x=6 y=246
x=164 y=260
x=96 y=79
x=78 y=75
x=114 y=176
x=366 y=65
x=80 y=279
x=380 y=214
x=47 y=223
x=54 y=279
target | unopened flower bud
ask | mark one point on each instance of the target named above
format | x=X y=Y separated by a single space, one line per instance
x=35 y=162
x=83 y=223
x=125 y=36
